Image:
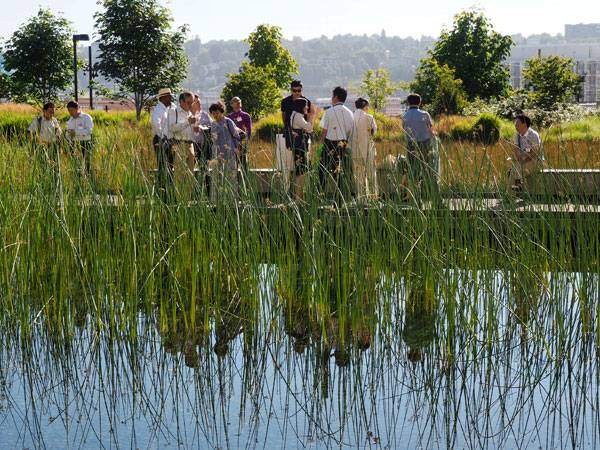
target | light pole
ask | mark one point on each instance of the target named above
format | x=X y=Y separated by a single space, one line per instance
x=76 y=39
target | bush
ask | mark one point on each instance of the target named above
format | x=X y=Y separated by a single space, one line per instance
x=486 y=129
x=461 y=131
x=268 y=127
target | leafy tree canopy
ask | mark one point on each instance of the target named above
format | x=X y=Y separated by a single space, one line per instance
x=551 y=81
x=138 y=50
x=377 y=85
x=267 y=51
x=38 y=58
x=476 y=53
x=439 y=88
x=257 y=89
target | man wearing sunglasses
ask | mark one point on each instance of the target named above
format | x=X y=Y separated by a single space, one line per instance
x=287 y=107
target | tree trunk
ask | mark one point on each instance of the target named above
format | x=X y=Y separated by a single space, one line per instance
x=138 y=105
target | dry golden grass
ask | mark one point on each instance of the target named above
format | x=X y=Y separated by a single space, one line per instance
x=17 y=108
x=465 y=163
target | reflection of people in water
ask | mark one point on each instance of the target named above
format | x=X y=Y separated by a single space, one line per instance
x=228 y=325
x=420 y=315
x=526 y=288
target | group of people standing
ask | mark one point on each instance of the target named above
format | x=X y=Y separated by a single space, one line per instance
x=347 y=160
x=188 y=139
x=49 y=137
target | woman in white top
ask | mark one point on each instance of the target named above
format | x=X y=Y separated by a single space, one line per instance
x=301 y=131
x=363 y=152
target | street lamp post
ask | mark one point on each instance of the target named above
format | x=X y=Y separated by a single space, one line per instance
x=76 y=39
x=90 y=77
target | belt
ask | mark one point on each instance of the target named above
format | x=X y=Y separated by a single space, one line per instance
x=179 y=141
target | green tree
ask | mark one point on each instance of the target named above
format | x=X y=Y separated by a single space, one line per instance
x=138 y=49
x=38 y=58
x=5 y=85
x=476 y=53
x=378 y=86
x=257 y=89
x=439 y=88
x=551 y=81
x=267 y=51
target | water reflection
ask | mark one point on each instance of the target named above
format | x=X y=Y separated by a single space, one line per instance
x=425 y=359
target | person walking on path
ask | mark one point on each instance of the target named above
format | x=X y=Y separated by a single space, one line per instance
x=224 y=165
x=181 y=126
x=363 y=152
x=337 y=124
x=164 y=155
x=243 y=122
x=423 y=162
x=301 y=132
x=79 y=132
x=528 y=157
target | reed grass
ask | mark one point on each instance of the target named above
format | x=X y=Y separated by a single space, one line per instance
x=235 y=325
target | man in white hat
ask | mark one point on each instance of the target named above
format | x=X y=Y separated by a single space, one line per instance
x=159 y=127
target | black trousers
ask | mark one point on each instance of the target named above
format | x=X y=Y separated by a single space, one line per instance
x=335 y=165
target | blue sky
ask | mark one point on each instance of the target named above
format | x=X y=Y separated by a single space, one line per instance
x=234 y=19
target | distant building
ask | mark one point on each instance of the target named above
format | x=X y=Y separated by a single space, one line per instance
x=582 y=31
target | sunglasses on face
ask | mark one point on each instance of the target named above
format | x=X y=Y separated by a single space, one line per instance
x=297 y=90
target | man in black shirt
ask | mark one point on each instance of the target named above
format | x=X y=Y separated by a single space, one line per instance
x=287 y=106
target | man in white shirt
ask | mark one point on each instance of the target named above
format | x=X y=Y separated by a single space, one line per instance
x=337 y=124
x=180 y=132
x=528 y=157
x=164 y=156
x=79 y=132
x=45 y=129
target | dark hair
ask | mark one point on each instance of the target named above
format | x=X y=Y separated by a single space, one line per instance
x=360 y=103
x=296 y=84
x=413 y=100
x=185 y=95
x=219 y=106
x=47 y=106
x=300 y=104
x=340 y=93
x=523 y=119
x=73 y=104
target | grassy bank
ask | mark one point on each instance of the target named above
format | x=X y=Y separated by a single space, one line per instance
x=125 y=145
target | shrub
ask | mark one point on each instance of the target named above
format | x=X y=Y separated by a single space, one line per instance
x=268 y=127
x=486 y=129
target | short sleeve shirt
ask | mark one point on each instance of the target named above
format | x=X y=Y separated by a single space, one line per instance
x=417 y=124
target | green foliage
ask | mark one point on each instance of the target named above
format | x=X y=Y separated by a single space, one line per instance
x=268 y=127
x=476 y=53
x=551 y=81
x=377 y=85
x=266 y=51
x=15 y=124
x=256 y=87
x=5 y=85
x=485 y=129
x=38 y=58
x=439 y=88
x=138 y=51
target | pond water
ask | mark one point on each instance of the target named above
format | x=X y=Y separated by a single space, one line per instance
x=464 y=359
